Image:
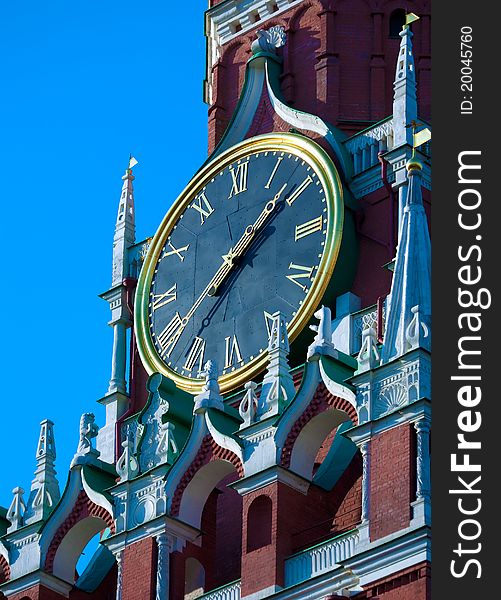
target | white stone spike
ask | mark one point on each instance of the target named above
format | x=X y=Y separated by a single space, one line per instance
x=44 y=493
x=210 y=396
x=404 y=94
x=411 y=284
x=278 y=386
x=16 y=510
x=125 y=230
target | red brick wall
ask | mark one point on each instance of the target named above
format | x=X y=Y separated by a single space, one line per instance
x=412 y=584
x=392 y=477
x=338 y=64
x=37 y=592
x=221 y=543
x=139 y=570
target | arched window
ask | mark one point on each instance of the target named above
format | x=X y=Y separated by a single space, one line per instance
x=194 y=579
x=259 y=518
x=397 y=21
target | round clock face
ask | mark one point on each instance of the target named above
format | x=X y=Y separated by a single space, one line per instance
x=256 y=232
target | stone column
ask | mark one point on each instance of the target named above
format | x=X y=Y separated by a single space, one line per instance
x=423 y=459
x=366 y=486
x=164 y=543
x=421 y=506
x=119 y=358
x=366 y=477
x=119 y=559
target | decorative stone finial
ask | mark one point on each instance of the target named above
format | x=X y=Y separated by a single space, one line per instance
x=168 y=448
x=418 y=332
x=127 y=465
x=268 y=40
x=88 y=431
x=16 y=510
x=44 y=493
x=152 y=426
x=209 y=397
x=322 y=344
x=248 y=405
x=368 y=357
x=278 y=387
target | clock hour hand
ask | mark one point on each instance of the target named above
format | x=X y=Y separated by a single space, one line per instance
x=244 y=242
x=227 y=266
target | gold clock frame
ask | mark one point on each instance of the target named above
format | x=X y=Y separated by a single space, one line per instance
x=316 y=157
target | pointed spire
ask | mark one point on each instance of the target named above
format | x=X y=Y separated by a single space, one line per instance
x=16 y=510
x=409 y=303
x=44 y=493
x=125 y=228
x=278 y=387
x=404 y=86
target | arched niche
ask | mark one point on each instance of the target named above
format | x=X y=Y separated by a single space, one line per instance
x=198 y=489
x=72 y=546
x=311 y=438
x=259 y=523
x=194 y=579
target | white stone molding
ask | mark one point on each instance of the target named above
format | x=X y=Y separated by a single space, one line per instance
x=337 y=389
x=165 y=546
x=210 y=396
x=228 y=592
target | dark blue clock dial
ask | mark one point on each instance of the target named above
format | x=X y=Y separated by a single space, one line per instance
x=248 y=244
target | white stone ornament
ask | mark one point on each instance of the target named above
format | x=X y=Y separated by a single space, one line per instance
x=278 y=388
x=151 y=430
x=269 y=40
x=16 y=510
x=88 y=431
x=322 y=343
x=209 y=397
x=418 y=332
x=368 y=357
x=248 y=405
x=44 y=493
x=127 y=465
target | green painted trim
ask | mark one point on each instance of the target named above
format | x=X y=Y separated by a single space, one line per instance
x=221 y=587
x=369 y=128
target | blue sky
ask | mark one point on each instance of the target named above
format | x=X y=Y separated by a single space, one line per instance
x=83 y=85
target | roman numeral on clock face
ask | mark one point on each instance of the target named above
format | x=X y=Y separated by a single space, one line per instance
x=304 y=273
x=298 y=191
x=195 y=355
x=275 y=169
x=232 y=352
x=239 y=179
x=170 y=334
x=202 y=206
x=177 y=251
x=160 y=300
x=308 y=228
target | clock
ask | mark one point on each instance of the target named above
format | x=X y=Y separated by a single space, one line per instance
x=256 y=231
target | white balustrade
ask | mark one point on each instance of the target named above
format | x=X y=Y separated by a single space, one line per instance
x=227 y=592
x=319 y=559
